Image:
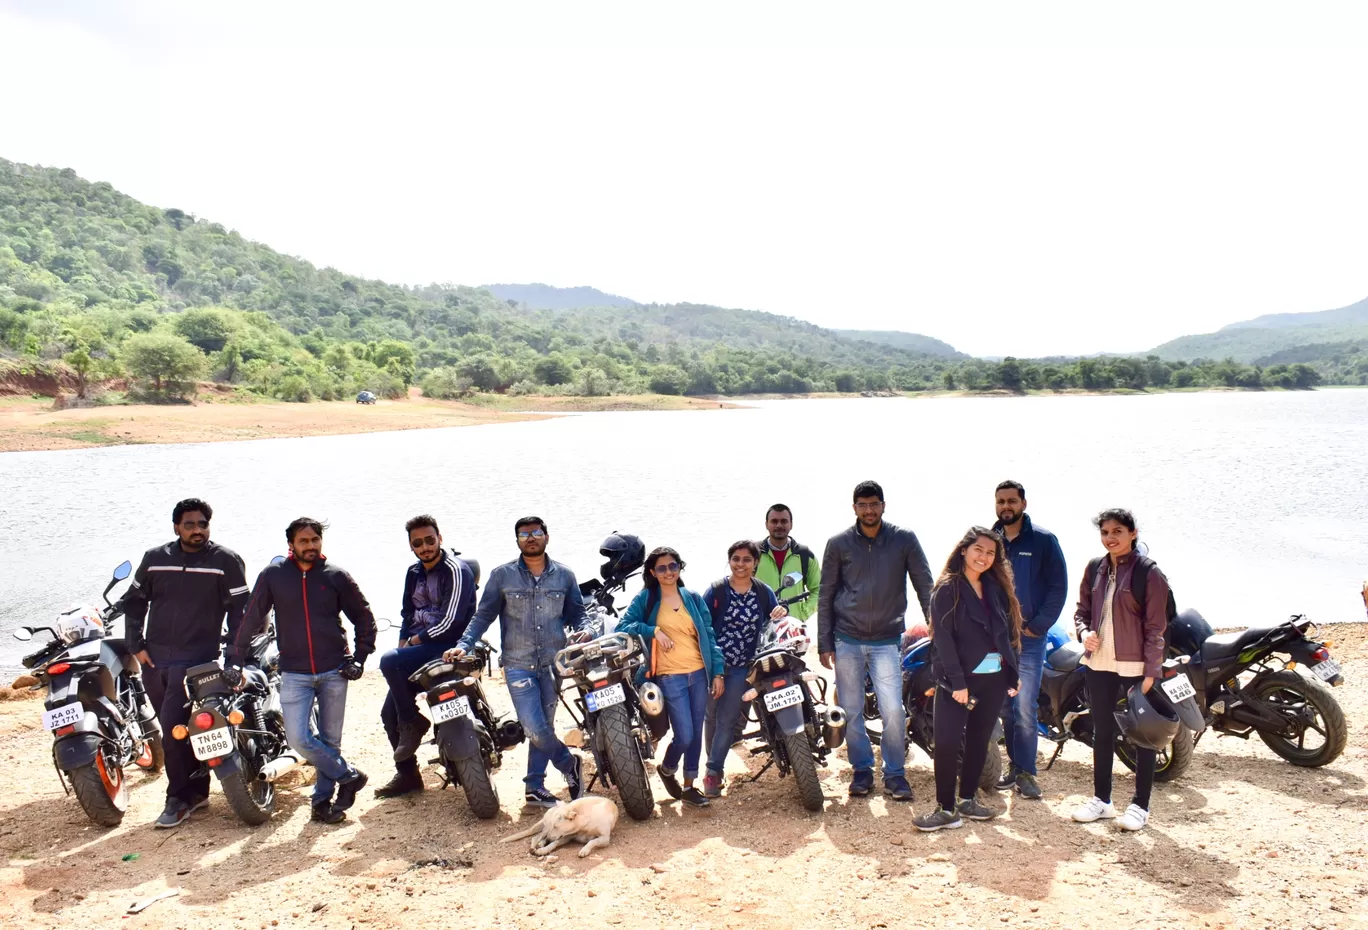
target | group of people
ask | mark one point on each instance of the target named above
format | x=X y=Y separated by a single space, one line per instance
x=1001 y=590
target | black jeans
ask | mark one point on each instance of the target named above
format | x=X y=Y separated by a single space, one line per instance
x=186 y=778
x=962 y=736
x=1104 y=690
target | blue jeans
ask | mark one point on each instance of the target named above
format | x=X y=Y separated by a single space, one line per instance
x=884 y=664
x=535 y=695
x=686 y=701
x=1019 y=713
x=298 y=693
x=728 y=712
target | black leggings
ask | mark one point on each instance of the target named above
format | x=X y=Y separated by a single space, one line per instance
x=960 y=729
x=1104 y=690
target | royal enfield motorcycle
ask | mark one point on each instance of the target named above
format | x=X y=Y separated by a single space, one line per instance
x=96 y=707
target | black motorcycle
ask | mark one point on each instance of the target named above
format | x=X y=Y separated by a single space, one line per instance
x=237 y=728
x=1064 y=713
x=1247 y=682
x=470 y=738
x=96 y=707
x=797 y=730
x=618 y=720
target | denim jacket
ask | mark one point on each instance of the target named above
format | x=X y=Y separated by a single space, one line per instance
x=533 y=613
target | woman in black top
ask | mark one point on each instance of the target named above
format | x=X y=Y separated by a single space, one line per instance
x=975 y=641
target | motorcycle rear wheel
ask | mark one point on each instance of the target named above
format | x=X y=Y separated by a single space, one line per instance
x=1169 y=764
x=804 y=768
x=250 y=798
x=1288 y=693
x=102 y=790
x=624 y=759
x=480 y=792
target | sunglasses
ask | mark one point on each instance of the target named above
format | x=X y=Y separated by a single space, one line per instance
x=192 y=524
x=531 y=534
x=664 y=568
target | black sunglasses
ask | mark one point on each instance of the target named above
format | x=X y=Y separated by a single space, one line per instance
x=192 y=524
x=664 y=568
x=531 y=534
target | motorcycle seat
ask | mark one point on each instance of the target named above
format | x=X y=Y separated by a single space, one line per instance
x=1224 y=645
x=1066 y=657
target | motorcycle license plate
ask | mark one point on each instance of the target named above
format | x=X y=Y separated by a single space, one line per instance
x=63 y=716
x=597 y=700
x=786 y=697
x=450 y=710
x=1326 y=670
x=1178 y=689
x=211 y=744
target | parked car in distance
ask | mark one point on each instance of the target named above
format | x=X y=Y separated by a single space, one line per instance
x=365 y=397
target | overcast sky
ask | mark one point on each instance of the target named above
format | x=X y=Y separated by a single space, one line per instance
x=1006 y=179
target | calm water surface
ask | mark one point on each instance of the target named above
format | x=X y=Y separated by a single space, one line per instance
x=1252 y=503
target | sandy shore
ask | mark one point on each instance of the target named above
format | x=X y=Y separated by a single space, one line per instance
x=1243 y=840
x=31 y=425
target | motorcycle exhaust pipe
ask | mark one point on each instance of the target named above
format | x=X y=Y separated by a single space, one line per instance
x=509 y=733
x=653 y=707
x=833 y=727
x=287 y=761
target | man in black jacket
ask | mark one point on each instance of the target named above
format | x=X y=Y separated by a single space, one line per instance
x=309 y=595
x=173 y=618
x=860 y=623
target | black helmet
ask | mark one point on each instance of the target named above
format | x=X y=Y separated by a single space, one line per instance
x=474 y=566
x=1187 y=631
x=1145 y=723
x=625 y=554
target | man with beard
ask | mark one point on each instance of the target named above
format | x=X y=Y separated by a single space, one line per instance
x=439 y=597
x=1042 y=586
x=183 y=590
x=779 y=549
x=860 y=627
x=535 y=600
x=309 y=594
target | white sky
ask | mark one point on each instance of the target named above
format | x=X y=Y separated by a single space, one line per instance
x=1015 y=179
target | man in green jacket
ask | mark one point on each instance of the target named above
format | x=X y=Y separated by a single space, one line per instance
x=780 y=554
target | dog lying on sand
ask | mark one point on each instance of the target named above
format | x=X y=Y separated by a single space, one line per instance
x=587 y=820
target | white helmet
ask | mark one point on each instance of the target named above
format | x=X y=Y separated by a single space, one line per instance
x=787 y=634
x=80 y=623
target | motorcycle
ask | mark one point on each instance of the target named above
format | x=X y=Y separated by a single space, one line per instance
x=618 y=720
x=1063 y=711
x=919 y=703
x=796 y=728
x=469 y=736
x=1247 y=682
x=96 y=707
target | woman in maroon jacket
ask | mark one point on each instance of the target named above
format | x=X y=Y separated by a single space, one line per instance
x=1123 y=646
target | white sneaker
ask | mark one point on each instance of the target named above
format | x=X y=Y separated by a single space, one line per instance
x=1134 y=818
x=1096 y=809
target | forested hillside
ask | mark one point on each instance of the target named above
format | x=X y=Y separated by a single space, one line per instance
x=546 y=297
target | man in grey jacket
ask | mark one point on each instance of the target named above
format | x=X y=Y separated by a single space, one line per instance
x=860 y=623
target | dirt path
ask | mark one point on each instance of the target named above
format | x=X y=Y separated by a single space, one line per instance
x=1243 y=840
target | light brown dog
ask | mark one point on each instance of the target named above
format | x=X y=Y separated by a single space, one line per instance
x=589 y=820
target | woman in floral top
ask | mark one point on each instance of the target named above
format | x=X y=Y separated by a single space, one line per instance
x=741 y=607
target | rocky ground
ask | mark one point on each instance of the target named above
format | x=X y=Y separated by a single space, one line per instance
x=1243 y=840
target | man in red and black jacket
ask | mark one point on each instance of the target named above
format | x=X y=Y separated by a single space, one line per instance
x=309 y=596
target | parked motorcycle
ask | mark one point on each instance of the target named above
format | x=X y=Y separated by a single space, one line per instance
x=1248 y=682
x=1063 y=711
x=469 y=736
x=96 y=707
x=919 y=704
x=797 y=729
x=619 y=721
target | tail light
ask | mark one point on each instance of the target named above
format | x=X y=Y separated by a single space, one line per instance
x=446 y=696
x=65 y=731
x=215 y=763
x=59 y=668
x=779 y=682
x=1321 y=654
x=203 y=721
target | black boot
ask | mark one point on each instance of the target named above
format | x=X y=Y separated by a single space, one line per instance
x=323 y=812
x=346 y=791
x=406 y=781
x=410 y=738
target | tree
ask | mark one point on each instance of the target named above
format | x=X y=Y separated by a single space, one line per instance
x=208 y=329
x=168 y=360
x=553 y=369
x=81 y=363
x=1009 y=374
x=669 y=379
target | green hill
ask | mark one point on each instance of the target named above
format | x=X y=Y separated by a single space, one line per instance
x=1273 y=335
x=546 y=297
x=1354 y=314
x=914 y=342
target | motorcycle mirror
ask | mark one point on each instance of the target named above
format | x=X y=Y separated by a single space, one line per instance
x=277 y=560
x=792 y=578
x=23 y=634
x=1142 y=548
x=123 y=571
x=382 y=624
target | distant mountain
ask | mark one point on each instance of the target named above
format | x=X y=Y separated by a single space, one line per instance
x=546 y=297
x=913 y=342
x=1274 y=336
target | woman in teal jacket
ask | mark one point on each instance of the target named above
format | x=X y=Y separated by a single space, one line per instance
x=684 y=660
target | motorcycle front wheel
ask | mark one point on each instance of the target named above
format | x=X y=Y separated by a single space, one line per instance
x=614 y=727
x=101 y=789
x=1312 y=707
x=1169 y=764
x=479 y=790
x=804 y=768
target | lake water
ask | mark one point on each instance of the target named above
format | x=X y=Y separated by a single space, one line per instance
x=1252 y=503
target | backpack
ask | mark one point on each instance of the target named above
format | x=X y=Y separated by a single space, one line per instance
x=1139 y=583
x=804 y=559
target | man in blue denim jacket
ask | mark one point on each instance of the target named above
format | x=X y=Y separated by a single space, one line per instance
x=535 y=600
